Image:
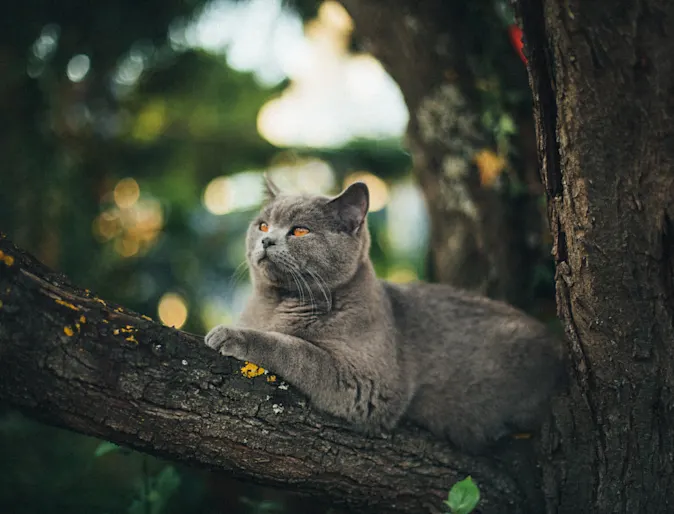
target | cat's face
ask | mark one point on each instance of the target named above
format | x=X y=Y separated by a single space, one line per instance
x=307 y=240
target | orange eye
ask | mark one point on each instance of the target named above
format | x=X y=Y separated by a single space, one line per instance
x=264 y=227
x=300 y=231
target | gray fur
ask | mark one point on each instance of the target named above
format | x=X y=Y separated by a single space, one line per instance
x=467 y=368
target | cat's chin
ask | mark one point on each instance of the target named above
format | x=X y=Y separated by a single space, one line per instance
x=270 y=271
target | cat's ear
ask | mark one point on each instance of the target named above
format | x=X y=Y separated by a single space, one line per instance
x=352 y=205
x=271 y=190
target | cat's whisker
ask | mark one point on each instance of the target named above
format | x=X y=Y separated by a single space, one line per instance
x=299 y=286
x=282 y=262
x=320 y=282
x=297 y=270
x=314 y=305
x=287 y=281
x=238 y=275
x=288 y=266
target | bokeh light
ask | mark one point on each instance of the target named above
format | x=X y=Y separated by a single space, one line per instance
x=334 y=96
x=127 y=246
x=240 y=191
x=303 y=176
x=335 y=15
x=216 y=196
x=402 y=275
x=107 y=225
x=47 y=41
x=407 y=226
x=130 y=69
x=126 y=193
x=133 y=223
x=150 y=121
x=172 y=310
x=78 y=67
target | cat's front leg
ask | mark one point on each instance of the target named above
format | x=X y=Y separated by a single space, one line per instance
x=331 y=383
x=229 y=341
x=308 y=367
x=287 y=355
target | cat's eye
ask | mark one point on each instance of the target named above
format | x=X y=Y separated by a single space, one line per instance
x=299 y=231
x=263 y=227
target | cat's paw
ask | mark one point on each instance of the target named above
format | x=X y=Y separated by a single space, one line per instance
x=227 y=340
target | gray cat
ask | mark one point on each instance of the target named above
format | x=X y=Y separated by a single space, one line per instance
x=468 y=368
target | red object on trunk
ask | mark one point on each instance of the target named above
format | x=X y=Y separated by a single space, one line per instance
x=516 y=34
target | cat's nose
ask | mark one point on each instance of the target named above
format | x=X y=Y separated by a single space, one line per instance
x=267 y=242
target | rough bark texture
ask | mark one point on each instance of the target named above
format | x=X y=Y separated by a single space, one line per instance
x=73 y=360
x=602 y=74
x=482 y=239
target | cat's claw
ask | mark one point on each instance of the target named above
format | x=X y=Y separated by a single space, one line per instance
x=226 y=340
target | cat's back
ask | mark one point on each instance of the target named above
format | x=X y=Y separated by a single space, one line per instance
x=444 y=322
x=445 y=310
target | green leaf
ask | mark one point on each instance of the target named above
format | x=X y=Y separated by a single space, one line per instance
x=105 y=447
x=168 y=481
x=463 y=497
x=507 y=125
x=153 y=496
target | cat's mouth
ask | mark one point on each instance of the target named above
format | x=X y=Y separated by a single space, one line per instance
x=271 y=264
x=264 y=261
x=273 y=271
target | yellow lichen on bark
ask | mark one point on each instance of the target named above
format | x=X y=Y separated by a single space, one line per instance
x=251 y=370
x=67 y=304
x=126 y=330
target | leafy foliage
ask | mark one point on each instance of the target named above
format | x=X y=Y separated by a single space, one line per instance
x=155 y=491
x=463 y=497
x=104 y=448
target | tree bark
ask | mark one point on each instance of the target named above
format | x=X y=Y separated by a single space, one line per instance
x=602 y=74
x=484 y=237
x=71 y=359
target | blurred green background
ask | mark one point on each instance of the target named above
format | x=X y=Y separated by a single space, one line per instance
x=133 y=139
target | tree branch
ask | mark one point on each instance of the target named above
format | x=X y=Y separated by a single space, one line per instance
x=71 y=359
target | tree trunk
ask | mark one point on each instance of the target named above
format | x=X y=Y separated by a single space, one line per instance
x=602 y=75
x=70 y=359
x=486 y=231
